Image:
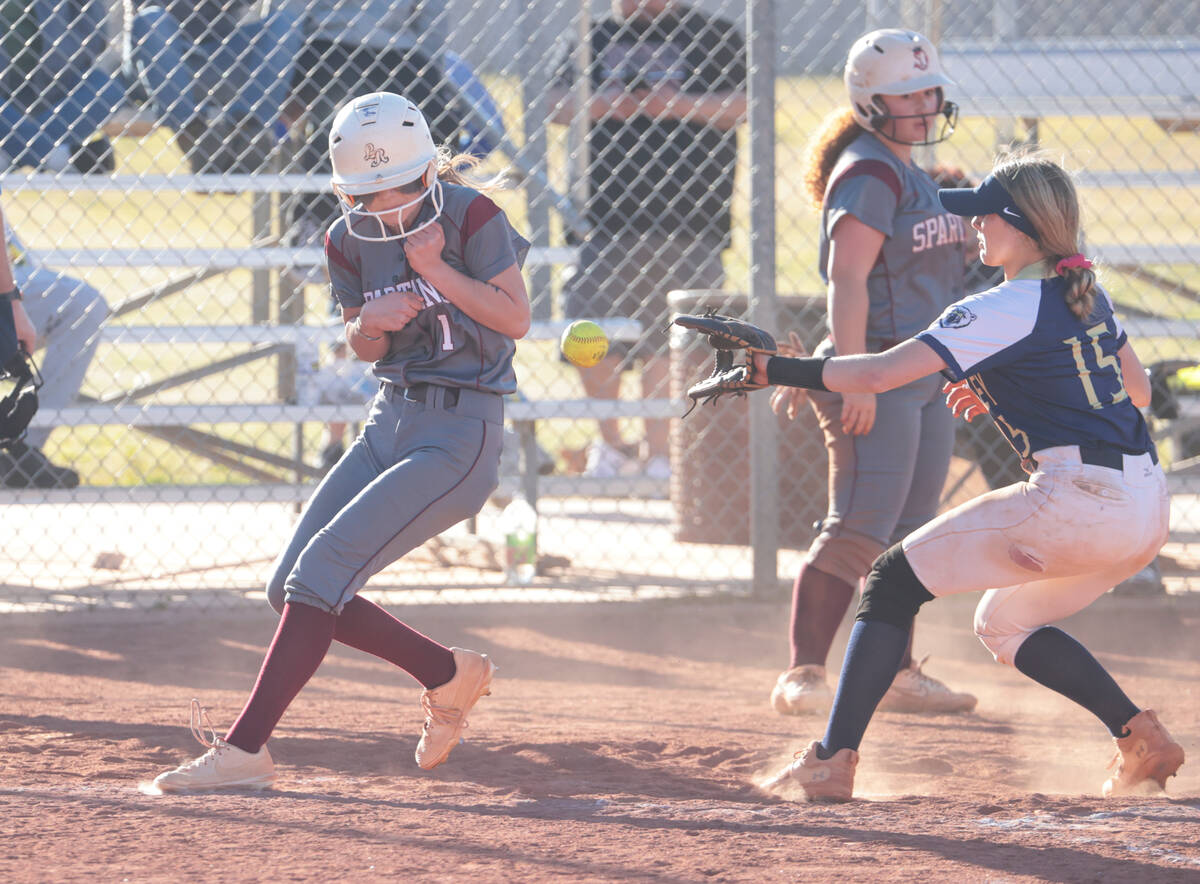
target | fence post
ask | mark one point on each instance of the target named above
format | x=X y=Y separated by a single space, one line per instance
x=260 y=294
x=535 y=82
x=764 y=489
x=578 y=155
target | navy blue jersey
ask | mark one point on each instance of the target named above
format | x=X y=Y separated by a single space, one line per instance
x=1047 y=377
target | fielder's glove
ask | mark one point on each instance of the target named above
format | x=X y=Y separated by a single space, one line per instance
x=727 y=336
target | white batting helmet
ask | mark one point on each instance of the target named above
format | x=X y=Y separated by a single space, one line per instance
x=377 y=142
x=894 y=62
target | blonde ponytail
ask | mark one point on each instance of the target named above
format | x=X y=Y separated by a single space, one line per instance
x=461 y=169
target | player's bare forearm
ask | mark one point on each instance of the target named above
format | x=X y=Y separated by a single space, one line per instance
x=848 y=305
x=880 y=372
x=369 y=344
x=853 y=250
x=500 y=303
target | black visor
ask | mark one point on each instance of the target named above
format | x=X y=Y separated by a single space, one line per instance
x=989 y=198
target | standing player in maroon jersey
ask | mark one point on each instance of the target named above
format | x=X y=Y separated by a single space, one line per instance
x=427 y=271
x=893 y=259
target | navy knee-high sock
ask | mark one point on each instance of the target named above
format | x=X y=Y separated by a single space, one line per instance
x=872 y=655
x=1054 y=659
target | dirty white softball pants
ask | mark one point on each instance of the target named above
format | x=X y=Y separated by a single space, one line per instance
x=1046 y=547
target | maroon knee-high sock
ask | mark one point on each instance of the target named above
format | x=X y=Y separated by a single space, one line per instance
x=300 y=644
x=366 y=626
x=819 y=602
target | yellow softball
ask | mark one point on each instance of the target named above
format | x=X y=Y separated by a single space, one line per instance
x=583 y=343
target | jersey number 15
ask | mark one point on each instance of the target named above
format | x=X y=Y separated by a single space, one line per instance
x=1102 y=363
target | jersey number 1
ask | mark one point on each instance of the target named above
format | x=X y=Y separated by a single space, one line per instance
x=1102 y=362
x=447 y=339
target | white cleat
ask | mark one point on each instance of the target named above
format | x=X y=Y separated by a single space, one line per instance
x=223 y=766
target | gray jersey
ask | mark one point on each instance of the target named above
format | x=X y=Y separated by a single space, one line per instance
x=441 y=345
x=920 y=270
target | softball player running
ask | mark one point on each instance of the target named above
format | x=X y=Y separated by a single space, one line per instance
x=893 y=260
x=428 y=275
x=1044 y=353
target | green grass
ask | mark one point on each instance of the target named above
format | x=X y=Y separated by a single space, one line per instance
x=118 y=455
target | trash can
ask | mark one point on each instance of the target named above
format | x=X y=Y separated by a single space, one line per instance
x=710 y=454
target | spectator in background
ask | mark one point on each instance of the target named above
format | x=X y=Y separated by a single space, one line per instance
x=667 y=94
x=376 y=44
x=53 y=98
x=215 y=73
x=64 y=314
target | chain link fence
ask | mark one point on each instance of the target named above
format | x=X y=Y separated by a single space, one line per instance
x=165 y=186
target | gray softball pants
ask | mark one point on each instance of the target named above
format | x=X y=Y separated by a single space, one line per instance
x=884 y=484
x=427 y=458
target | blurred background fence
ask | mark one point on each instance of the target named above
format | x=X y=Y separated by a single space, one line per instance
x=165 y=188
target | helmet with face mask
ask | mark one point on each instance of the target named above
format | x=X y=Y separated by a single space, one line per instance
x=378 y=142
x=896 y=62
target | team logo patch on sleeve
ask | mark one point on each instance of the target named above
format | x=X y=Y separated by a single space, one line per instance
x=957 y=316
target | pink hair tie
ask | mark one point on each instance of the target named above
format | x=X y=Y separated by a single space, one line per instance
x=1072 y=262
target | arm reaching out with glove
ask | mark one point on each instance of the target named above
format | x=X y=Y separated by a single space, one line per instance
x=865 y=373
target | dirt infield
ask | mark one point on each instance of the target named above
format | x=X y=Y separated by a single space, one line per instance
x=621 y=743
